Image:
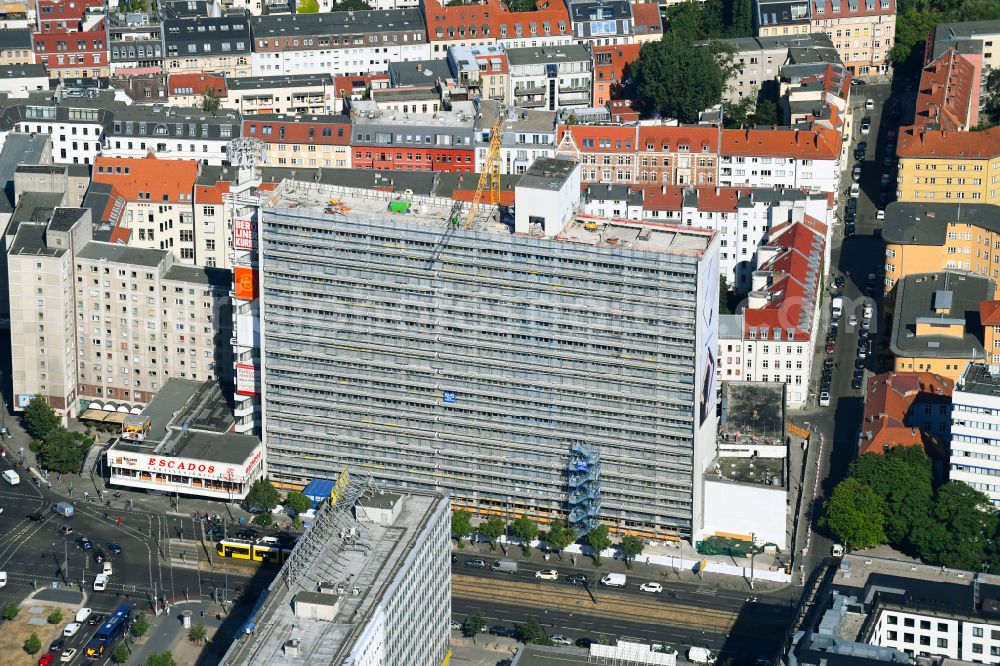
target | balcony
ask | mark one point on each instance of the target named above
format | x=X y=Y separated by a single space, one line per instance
x=532 y=103
x=574 y=89
x=523 y=90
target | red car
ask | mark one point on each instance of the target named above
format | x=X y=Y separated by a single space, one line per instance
x=46 y=659
x=829 y=347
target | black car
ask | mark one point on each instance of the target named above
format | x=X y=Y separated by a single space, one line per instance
x=863 y=147
x=475 y=564
x=863 y=334
x=849 y=229
x=859 y=372
x=869 y=291
x=856 y=383
x=883 y=199
x=99 y=556
x=834 y=330
x=584 y=643
x=839 y=282
x=498 y=630
x=859 y=363
x=454 y=558
x=577 y=579
x=35 y=516
x=96 y=619
x=115 y=548
x=55 y=647
x=84 y=543
x=828 y=363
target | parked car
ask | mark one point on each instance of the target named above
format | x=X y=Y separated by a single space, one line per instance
x=857 y=82
x=824 y=399
x=859 y=364
x=68 y=655
x=856 y=173
x=869 y=104
x=849 y=230
x=547 y=574
x=866 y=126
x=651 y=587
x=559 y=639
x=855 y=191
x=880 y=214
x=476 y=564
x=839 y=282
x=830 y=344
x=498 y=630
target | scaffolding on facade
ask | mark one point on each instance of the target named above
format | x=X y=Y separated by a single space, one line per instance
x=584 y=491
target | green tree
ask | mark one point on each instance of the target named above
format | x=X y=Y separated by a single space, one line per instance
x=32 y=643
x=161 y=659
x=197 y=633
x=766 y=113
x=675 y=79
x=967 y=518
x=912 y=28
x=724 y=296
x=599 y=540
x=991 y=98
x=632 y=547
x=298 y=502
x=712 y=20
x=140 y=626
x=559 y=536
x=307 y=7
x=525 y=529
x=55 y=617
x=210 y=99
x=262 y=496
x=903 y=478
x=735 y=115
x=39 y=418
x=475 y=623
x=350 y=6
x=492 y=529
x=521 y=5
x=10 y=611
x=855 y=514
x=120 y=654
x=296 y=523
x=532 y=632
x=62 y=452
x=684 y=20
x=461 y=524
x=263 y=520
x=741 y=22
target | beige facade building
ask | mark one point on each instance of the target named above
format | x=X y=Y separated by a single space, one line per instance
x=291 y=94
x=862 y=31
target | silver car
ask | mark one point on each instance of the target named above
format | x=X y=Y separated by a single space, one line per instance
x=559 y=639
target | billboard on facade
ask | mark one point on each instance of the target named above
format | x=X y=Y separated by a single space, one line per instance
x=245 y=283
x=243 y=233
x=246 y=379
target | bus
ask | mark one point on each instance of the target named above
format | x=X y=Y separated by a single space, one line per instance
x=266 y=550
x=110 y=633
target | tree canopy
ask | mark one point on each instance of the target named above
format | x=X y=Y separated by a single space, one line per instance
x=524 y=528
x=916 y=18
x=492 y=528
x=262 y=496
x=63 y=451
x=307 y=6
x=856 y=514
x=675 y=79
x=161 y=659
x=461 y=523
x=559 y=536
x=298 y=502
x=632 y=547
x=350 y=6
x=712 y=19
x=39 y=418
x=599 y=540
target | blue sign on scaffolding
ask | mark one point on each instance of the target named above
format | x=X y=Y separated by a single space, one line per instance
x=581 y=467
x=449 y=397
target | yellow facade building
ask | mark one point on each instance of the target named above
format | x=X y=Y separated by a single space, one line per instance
x=937 y=165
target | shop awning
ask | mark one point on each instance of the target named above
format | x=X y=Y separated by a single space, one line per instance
x=94 y=415
x=116 y=417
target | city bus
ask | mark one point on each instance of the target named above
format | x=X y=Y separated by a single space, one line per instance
x=109 y=633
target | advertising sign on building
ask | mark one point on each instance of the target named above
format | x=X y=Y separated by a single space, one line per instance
x=243 y=279
x=242 y=233
x=246 y=379
x=190 y=467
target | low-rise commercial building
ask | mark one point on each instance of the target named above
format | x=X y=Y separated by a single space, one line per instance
x=935 y=325
x=181 y=444
x=370 y=556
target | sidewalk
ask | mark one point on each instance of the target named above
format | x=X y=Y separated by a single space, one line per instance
x=167 y=633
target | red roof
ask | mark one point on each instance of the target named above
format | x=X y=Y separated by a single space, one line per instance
x=483 y=21
x=948 y=96
x=319 y=130
x=819 y=143
x=915 y=141
x=348 y=85
x=889 y=399
x=211 y=194
x=611 y=60
x=196 y=84
x=646 y=18
x=155 y=180
x=665 y=138
x=824 y=9
x=989 y=313
x=598 y=138
x=789 y=301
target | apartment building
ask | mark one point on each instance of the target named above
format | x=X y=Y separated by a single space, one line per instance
x=678 y=155
x=136 y=41
x=601 y=22
x=774 y=336
x=309 y=141
x=781 y=158
x=609 y=70
x=70 y=38
x=172 y=133
x=906 y=409
x=606 y=154
x=974 y=38
x=190 y=89
x=220 y=44
x=647 y=24
x=975 y=418
x=493 y=23
x=760 y=59
x=15 y=47
x=156 y=200
x=948 y=95
x=555 y=77
x=295 y=94
x=338 y=43
x=19 y=80
x=863 y=31
x=413 y=142
x=777 y=18
x=935 y=323
x=923 y=237
x=527 y=136
x=654 y=426
x=77 y=125
x=481 y=69
x=937 y=165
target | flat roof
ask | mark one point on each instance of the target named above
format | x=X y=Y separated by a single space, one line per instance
x=369 y=562
x=548 y=173
x=980 y=378
x=540 y=655
x=279 y=81
x=916 y=303
x=756 y=408
x=927 y=223
x=642 y=236
x=122 y=254
x=211 y=277
x=749 y=471
x=543 y=55
x=18 y=148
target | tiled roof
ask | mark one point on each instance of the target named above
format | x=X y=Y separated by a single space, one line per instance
x=613 y=59
x=917 y=142
x=147 y=178
x=296 y=129
x=948 y=97
x=347 y=85
x=211 y=194
x=888 y=400
x=667 y=138
x=989 y=313
x=646 y=18
x=598 y=138
x=196 y=84
x=484 y=21
x=819 y=143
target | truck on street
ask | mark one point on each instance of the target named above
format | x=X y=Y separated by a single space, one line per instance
x=614 y=580
x=504 y=566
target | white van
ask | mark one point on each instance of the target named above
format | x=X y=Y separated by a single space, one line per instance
x=614 y=580
x=108 y=569
x=100 y=582
x=700 y=655
x=83 y=614
x=3 y=578
x=11 y=477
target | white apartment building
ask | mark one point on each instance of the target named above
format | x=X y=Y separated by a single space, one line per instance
x=297 y=94
x=338 y=43
x=529 y=135
x=551 y=77
x=975 y=431
x=77 y=132
x=926 y=633
x=171 y=133
x=782 y=158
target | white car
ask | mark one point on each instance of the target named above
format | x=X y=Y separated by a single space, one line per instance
x=866 y=128
x=559 y=639
x=880 y=214
x=824 y=399
x=870 y=104
x=3 y=578
x=651 y=587
x=100 y=583
x=855 y=191
x=547 y=574
x=67 y=655
x=83 y=614
x=852 y=320
x=71 y=629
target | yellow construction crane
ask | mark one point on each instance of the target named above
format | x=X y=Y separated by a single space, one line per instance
x=491 y=171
